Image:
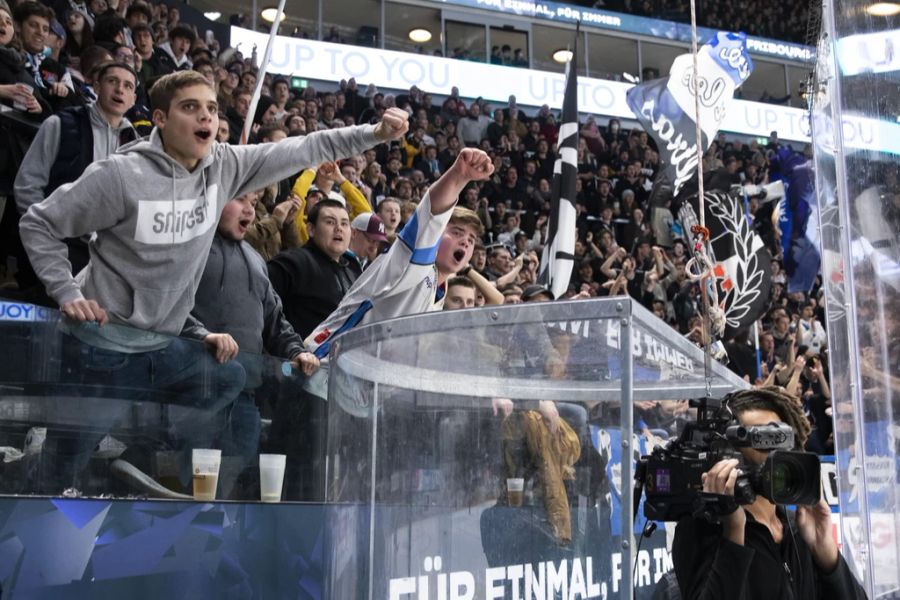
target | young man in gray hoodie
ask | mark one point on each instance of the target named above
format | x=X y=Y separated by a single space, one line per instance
x=154 y=206
x=72 y=139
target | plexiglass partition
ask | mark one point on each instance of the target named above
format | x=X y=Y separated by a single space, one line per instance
x=117 y=413
x=479 y=453
x=859 y=204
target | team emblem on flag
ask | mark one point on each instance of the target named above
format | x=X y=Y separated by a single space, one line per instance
x=741 y=263
x=667 y=111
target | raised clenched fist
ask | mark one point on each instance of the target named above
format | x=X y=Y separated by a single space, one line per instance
x=393 y=125
x=473 y=164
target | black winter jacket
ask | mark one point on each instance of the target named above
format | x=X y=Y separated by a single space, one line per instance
x=311 y=284
x=710 y=567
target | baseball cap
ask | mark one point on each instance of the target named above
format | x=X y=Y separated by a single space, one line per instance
x=57 y=29
x=535 y=290
x=370 y=224
x=331 y=195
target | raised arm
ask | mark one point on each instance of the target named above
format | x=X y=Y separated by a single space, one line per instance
x=606 y=267
x=491 y=294
x=255 y=166
x=470 y=165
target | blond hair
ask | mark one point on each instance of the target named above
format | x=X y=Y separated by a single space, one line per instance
x=463 y=216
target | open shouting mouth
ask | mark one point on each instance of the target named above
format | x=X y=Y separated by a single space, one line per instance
x=203 y=135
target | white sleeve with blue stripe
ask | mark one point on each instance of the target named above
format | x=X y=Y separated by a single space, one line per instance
x=422 y=234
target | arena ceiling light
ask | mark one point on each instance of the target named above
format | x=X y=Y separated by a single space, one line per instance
x=212 y=16
x=420 y=35
x=563 y=55
x=883 y=9
x=268 y=14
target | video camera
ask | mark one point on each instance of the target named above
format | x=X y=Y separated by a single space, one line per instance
x=671 y=475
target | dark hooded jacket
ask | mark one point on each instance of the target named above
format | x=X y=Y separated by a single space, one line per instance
x=235 y=297
x=708 y=566
x=311 y=283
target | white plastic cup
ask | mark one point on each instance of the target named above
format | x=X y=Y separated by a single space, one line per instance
x=271 y=476
x=205 y=468
x=515 y=491
x=18 y=105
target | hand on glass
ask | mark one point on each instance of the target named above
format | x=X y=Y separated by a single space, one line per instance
x=222 y=346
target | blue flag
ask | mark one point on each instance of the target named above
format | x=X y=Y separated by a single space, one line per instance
x=798 y=220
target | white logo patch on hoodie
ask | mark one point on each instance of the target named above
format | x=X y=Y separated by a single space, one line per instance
x=178 y=221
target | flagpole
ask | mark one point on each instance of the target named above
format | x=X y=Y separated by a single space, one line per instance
x=758 y=353
x=261 y=73
x=703 y=238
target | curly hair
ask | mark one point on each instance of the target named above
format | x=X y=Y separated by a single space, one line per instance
x=785 y=405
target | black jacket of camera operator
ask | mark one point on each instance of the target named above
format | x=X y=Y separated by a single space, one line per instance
x=709 y=567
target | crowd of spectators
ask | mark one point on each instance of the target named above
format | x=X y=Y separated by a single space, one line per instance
x=777 y=20
x=52 y=60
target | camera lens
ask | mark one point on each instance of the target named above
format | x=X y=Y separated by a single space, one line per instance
x=783 y=479
x=790 y=478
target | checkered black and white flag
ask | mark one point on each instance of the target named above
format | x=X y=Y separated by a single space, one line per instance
x=559 y=252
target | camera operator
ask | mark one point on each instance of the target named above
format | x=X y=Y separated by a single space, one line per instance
x=760 y=550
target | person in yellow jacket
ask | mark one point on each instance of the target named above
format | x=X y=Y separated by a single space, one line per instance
x=324 y=178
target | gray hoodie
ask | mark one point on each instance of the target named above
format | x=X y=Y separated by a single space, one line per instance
x=252 y=314
x=155 y=222
x=34 y=174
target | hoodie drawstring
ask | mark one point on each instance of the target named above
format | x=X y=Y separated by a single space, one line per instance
x=237 y=246
x=218 y=240
x=172 y=165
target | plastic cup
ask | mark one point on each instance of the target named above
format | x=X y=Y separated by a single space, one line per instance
x=515 y=491
x=271 y=476
x=205 y=468
x=18 y=105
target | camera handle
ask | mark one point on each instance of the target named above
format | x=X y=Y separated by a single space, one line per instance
x=640 y=477
x=710 y=507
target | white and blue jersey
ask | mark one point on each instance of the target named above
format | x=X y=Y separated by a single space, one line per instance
x=402 y=282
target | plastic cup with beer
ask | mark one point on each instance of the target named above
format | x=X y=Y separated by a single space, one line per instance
x=205 y=468
x=515 y=491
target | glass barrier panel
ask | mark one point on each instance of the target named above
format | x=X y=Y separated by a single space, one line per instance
x=354 y=22
x=465 y=41
x=115 y=412
x=857 y=193
x=612 y=57
x=797 y=81
x=488 y=443
x=767 y=84
x=509 y=47
x=404 y=22
x=656 y=59
x=545 y=42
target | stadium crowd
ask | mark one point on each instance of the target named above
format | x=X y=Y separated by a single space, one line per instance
x=781 y=21
x=83 y=74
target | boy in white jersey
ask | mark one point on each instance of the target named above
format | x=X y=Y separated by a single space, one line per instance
x=437 y=242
